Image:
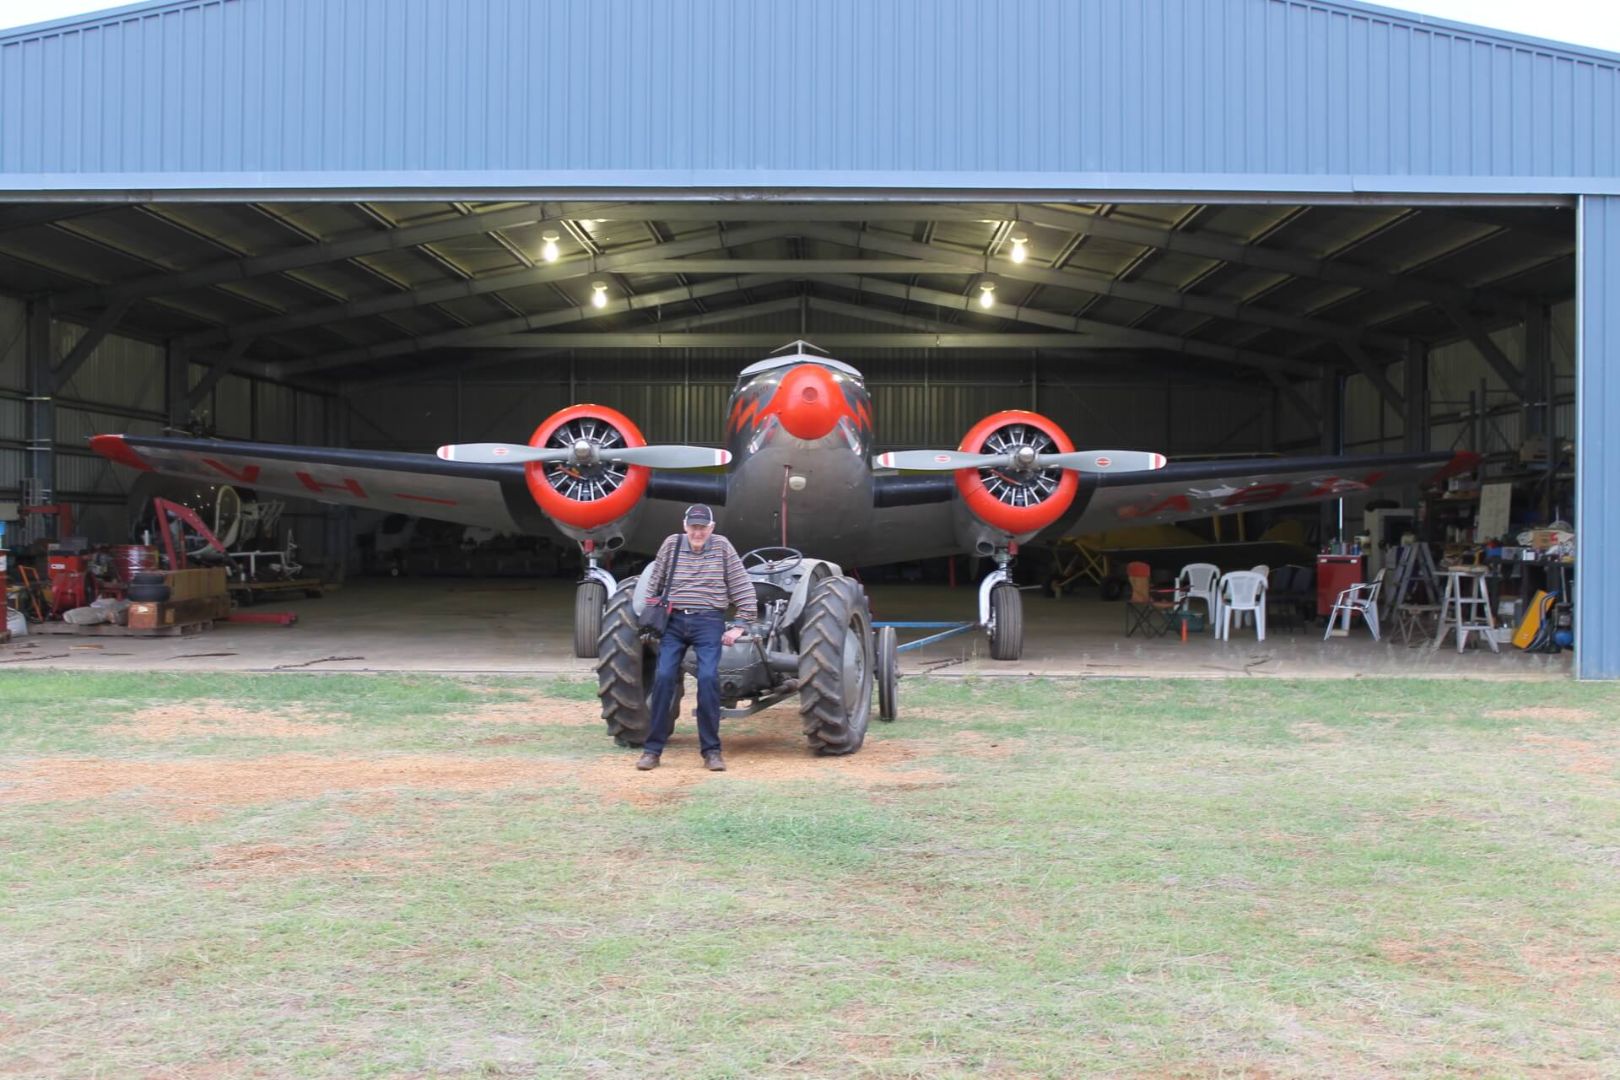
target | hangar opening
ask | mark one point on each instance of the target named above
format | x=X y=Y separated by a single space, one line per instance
x=1224 y=335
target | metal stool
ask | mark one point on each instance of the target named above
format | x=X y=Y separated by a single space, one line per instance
x=1466 y=608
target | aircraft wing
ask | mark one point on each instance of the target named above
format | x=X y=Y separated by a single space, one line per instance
x=1210 y=488
x=424 y=485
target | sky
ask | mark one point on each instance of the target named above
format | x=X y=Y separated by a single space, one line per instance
x=1585 y=22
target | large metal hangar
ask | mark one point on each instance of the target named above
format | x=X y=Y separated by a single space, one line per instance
x=1219 y=231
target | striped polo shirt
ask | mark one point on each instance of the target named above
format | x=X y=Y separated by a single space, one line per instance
x=710 y=578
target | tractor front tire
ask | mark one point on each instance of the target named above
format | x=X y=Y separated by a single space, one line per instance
x=625 y=668
x=835 y=666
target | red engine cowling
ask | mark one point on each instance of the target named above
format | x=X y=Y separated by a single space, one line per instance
x=1016 y=503
x=591 y=497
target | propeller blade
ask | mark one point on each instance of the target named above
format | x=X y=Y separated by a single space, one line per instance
x=939 y=460
x=1097 y=461
x=657 y=457
x=495 y=453
x=1089 y=461
x=669 y=456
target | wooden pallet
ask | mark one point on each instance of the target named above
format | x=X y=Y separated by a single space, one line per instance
x=171 y=618
x=179 y=629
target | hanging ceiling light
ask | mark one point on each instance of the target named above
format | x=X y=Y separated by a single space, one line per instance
x=1020 y=249
x=599 y=294
x=548 y=251
x=987 y=295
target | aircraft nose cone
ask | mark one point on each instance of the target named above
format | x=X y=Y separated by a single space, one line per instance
x=810 y=402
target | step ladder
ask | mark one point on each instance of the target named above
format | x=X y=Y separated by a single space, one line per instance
x=1414 y=567
x=1465 y=608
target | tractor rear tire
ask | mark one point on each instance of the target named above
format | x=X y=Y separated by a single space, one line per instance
x=1006 y=623
x=835 y=666
x=625 y=668
x=589 y=600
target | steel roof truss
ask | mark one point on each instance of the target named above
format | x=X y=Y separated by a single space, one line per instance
x=368 y=243
x=576 y=267
x=472 y=334
x=1083 y=281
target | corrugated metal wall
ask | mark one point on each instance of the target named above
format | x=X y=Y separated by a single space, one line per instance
x=13 y=413
x=853 y=92
x=917 y=401
x=120 y=388
x=1597 y=586
x=1459 y=381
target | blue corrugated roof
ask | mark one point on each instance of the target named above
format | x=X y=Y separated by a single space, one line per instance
x=1483 y=33
x=100 y=17
x=510 y=97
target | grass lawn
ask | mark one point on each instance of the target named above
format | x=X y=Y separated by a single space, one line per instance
x=369 y=876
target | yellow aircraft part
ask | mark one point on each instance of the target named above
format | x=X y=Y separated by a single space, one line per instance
x=1530 y=625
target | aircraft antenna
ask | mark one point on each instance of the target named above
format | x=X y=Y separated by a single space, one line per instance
x=800 y=346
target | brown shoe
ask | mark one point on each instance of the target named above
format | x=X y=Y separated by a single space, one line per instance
x=714 y=762
x=648 y=760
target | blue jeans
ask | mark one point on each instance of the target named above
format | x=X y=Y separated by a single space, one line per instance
x=702 y=632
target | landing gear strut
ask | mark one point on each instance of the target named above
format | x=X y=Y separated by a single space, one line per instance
x=1001 y=610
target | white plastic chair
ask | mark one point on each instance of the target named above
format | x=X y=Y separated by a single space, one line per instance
x=1361 y=597
x=1197 y=582
x=1241 y=591
x=1264 y=571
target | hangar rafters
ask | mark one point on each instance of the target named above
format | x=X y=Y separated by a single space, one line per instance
x=471 y=335
x=1081 y=281
x=370 y=242
x=562 y=270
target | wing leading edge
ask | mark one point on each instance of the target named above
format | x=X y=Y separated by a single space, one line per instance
x=1210 y=488
x=493 y=496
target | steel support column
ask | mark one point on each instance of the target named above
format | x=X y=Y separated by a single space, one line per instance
x=176 y=386
x=39 y=483
x=1330 y=389
x=1416 y=377
x=1597 y=456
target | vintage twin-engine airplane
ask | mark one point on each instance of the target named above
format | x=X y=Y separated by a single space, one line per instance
x=799 y=471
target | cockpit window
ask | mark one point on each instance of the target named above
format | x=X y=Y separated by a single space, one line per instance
x=775 y=362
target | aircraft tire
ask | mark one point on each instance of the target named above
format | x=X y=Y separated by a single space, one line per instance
x=887 y=664
x=835 y=666
x=1007 y=623
x=624 y=669
x=589 y=600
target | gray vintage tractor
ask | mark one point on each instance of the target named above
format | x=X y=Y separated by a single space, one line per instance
x=813 y=638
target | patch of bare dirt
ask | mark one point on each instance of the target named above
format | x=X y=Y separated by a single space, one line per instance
x=1551 y=714
x=538 y=710
x=275 y=860
x=206 y=783
x=1577 y=755
x=761 y=757
x=207 y=719
x=1564 y=966
x=195 y=788
x=1451 y=958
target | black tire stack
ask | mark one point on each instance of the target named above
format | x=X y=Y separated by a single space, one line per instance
x=148 y=587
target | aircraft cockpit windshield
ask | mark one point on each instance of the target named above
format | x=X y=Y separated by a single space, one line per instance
x=775 y=363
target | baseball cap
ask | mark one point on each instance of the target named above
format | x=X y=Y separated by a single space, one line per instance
x=698 y=514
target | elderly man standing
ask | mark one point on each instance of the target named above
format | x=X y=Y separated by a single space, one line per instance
x=708 y=576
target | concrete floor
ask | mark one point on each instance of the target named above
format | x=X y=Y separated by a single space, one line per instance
x=525 y=627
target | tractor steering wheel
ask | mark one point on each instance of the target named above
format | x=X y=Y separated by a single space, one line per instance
x=771 y=560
